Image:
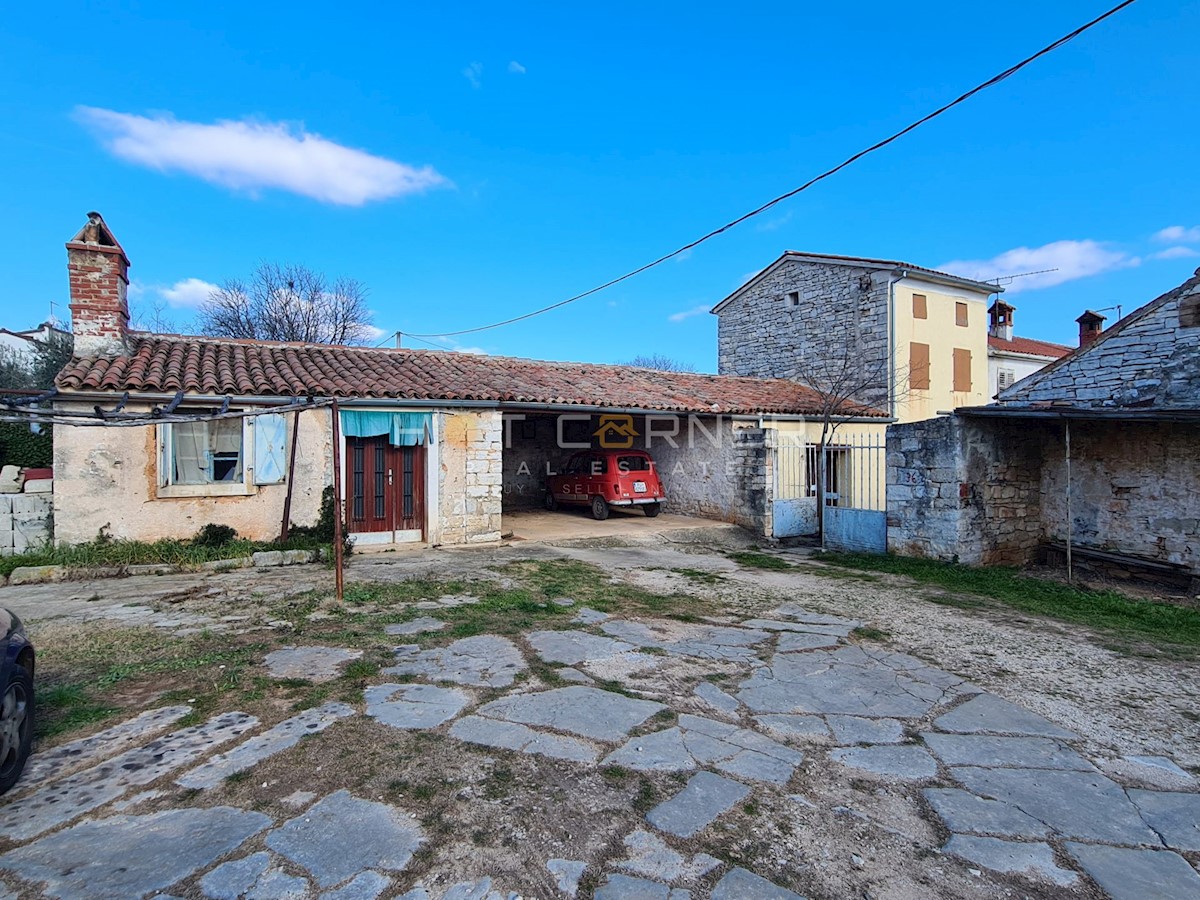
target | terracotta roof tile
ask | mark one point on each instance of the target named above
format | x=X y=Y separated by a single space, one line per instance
x=1030 y=346
x=167 y=363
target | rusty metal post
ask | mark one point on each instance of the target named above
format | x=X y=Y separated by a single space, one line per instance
x=337 y=502
x=291 y=480
x=1070 y=523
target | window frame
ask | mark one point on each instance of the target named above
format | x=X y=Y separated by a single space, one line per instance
x=921 y=309
x=962 y=314
x=166 y=490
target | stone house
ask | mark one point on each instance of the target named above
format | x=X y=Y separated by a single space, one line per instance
x=917 y=338
x=434 y=447
x=1097 y=454
x=1011 y=358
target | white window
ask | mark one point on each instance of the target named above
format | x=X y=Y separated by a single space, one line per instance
x=213 y=457
x=1005 y=378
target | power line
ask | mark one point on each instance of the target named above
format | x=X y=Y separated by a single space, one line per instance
x=994 y=80
x=416 y=337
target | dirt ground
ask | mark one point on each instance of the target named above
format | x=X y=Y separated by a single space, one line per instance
x=830 y=832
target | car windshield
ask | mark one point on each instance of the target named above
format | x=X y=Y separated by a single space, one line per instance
x=633 y=464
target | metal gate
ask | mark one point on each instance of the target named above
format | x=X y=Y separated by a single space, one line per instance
x=855 y=474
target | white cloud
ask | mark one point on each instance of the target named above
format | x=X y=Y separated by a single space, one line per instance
x=775 y=223
x=474 y=74
x=1070 y=260
x=187 y=294
x=1175 y=253
x=689 y=313
x=1178 y=234
x=253 y=155
x=516 y=68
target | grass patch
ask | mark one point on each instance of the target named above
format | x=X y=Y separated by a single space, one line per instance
x=1100 y=609
x=700 y=576
x=113 y=553
x=646 y=798
x=753 y=559
x=67 y=707
x=866 y=632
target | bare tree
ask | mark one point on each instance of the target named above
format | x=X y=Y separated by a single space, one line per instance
x=288 y=303
x=152 y=316
x=660 y=362
x=840 y=378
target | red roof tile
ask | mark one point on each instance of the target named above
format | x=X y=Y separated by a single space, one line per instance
x=213 y=366
x=1030 y=346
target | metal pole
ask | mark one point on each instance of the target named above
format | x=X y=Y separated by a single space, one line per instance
x=1070 y=523
x=291 y=480
x=399 y=340
x=337 y=503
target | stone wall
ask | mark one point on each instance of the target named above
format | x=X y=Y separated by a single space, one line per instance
x=1151 y=361
x=470 y=489
x=760 y=333
x=530 y=446
x=962 y=490
x=1135 y=489
x=26 y=522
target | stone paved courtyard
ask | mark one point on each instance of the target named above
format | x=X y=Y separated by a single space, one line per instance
x=763 y=749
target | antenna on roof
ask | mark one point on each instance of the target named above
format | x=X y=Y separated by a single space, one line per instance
x=1116 y=306
x=1009 y=279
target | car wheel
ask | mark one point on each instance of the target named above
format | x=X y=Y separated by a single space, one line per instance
x=652 y=509
x=599 y=509
x=550 y=503
x=16 y=727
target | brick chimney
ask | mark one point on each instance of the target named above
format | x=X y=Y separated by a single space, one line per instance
x=99 y=274
x=1090 y=326
x=1000 y=320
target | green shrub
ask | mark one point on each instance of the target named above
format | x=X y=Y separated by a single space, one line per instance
x=214 y=535
x=21 y=447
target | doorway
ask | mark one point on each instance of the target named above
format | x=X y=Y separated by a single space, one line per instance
x=387 y=491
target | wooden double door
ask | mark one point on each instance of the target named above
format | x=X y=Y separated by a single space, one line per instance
x=387 y=491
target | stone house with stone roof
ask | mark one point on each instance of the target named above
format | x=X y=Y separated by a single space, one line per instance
x=157 y=435
x=1097 y=454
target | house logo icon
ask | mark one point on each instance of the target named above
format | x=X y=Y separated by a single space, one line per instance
x=616 y=432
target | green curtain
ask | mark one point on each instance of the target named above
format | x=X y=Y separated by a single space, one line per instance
x=403 y=429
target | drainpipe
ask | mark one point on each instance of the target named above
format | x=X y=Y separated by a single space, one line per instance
x=891 y=354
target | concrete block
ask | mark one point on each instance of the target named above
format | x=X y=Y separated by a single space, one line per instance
x=37 y=574
x=297 y=557
x=11 y=480
x=268 y=558
x=38 y=505
x=39 y=486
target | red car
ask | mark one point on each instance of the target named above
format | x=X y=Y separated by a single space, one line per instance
x=604 y=478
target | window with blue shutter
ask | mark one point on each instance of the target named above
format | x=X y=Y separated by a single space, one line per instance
x=270 y=448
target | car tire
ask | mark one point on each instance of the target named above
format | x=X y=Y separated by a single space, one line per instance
x=599 y=508
x=549 y=502
x=16 y=726
x=652 y=509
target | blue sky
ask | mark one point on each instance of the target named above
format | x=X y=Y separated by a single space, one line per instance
x=478 y=161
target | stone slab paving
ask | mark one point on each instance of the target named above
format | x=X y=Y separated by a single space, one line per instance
x=697 y=741
x=154 y=850
x=693 y=809
x=904 y=761
x=793 y=642
x=715 y=697
x=1011 y=857
x=1137 y=874
x=602 y=655
x=626 y=887
x=1175 y=816
x=588 y=712
x=89 y=789
x=485 y=660
x=837 y=631
x=1164 y=765
x=991 y=751
x=413 y=706
x=276 y=884
x=230 y=880
x=849 y=681
x=567 y=873
x=715 y=642
x=50 y=764
x=589 y=616
x=799 y=614
x=650 y=856
x=1082 y=805
x=249 y=753
x=514 y=736
x=964 y=813
x=741 y=884
x=573 y=675
x=858 y=730
x=794 y=726
x=419 y=625
x=989 y=714
x=364 y=886
x=316 y=664
x=370 y=835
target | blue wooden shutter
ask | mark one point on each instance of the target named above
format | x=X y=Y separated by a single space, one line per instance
x=270 y=448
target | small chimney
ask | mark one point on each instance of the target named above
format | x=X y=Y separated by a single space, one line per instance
x=98 y=270
x=1090 y=326
x=1000 y=320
